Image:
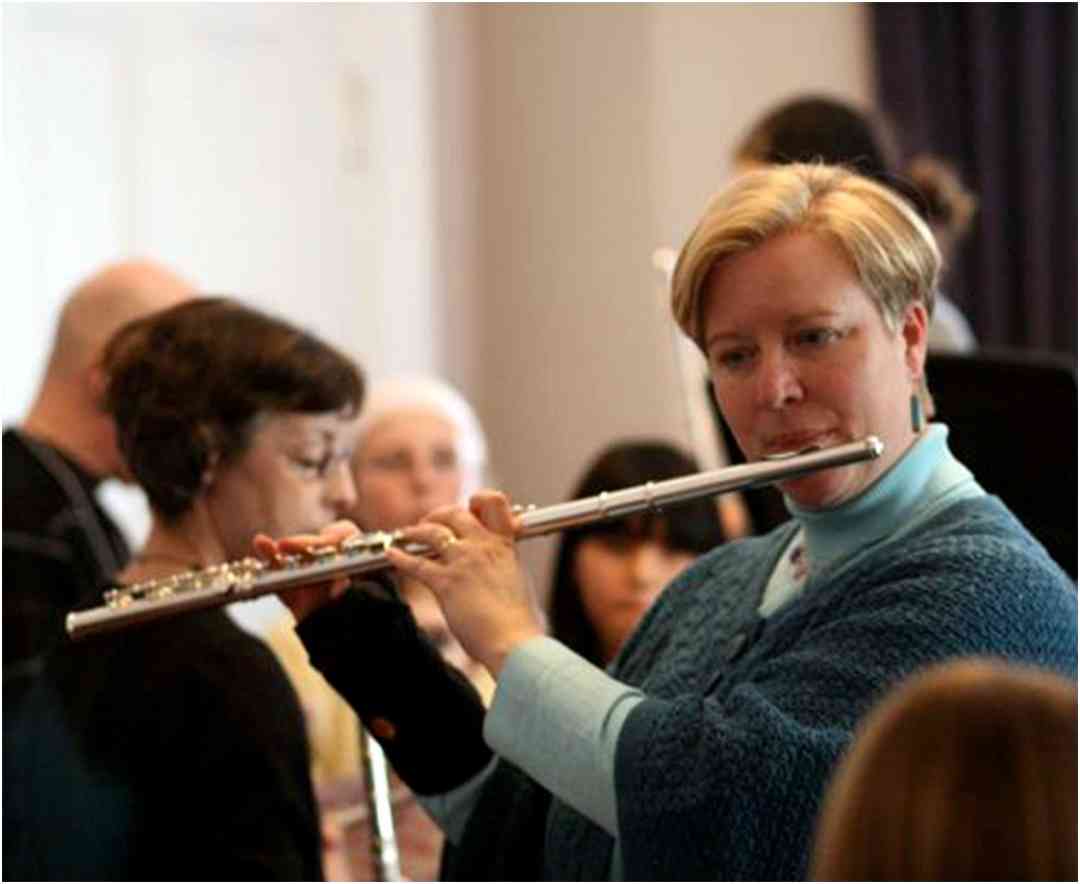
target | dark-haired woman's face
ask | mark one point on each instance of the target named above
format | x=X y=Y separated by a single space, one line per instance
x=620 y=576
x=294 y=478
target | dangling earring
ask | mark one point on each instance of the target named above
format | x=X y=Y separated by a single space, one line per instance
x=917 y=417
x=208 y=470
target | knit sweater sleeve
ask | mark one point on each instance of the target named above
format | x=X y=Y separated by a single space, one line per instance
x=722 y=777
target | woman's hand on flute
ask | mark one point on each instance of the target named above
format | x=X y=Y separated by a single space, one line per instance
x=305 y=599
x=484 y=592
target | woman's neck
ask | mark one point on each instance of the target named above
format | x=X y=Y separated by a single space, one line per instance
x=174 y=547
x=891 y=502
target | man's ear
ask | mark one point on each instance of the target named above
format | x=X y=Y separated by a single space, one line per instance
x=97 y=386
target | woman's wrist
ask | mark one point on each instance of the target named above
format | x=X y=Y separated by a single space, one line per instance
x=496 y=659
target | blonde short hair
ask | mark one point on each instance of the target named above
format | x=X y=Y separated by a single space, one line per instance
x=891 y=249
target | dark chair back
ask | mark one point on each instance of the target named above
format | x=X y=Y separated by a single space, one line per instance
x=1012 y=422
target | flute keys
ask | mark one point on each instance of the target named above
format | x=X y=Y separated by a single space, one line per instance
x=322 y=553
x=354 y=544
x=118 y=598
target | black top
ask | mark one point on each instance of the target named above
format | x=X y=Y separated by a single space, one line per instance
x=174 y=750
x=59 y=547
x=171 y=751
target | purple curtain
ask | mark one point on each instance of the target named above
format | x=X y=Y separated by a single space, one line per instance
x=993 y=88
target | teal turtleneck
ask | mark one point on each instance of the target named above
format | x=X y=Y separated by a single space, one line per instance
x=924 y=480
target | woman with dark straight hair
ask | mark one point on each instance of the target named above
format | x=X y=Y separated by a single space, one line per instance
x=608 y=574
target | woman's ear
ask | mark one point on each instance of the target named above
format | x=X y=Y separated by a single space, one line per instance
x=915 y=332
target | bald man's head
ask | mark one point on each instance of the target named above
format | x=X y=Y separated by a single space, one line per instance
x=67 y=411
x=106 y=302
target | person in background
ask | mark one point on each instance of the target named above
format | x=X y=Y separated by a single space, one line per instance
x=820 y=129
x=420 y=446
x=949 y=208
x=966 y=772
x=59 y=544
x=176 y=750
x=703 y=753
x=608 y=574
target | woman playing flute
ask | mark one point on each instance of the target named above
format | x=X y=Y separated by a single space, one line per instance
x=178 y=751
x=703 y=751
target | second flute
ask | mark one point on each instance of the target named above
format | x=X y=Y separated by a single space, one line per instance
x=249 y=578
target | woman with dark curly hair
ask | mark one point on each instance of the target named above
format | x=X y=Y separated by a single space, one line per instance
x=608 y=574
x=178 y=751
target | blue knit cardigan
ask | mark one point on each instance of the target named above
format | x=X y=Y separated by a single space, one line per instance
x=720 y=772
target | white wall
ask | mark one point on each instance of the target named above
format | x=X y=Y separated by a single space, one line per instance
x=280 y=152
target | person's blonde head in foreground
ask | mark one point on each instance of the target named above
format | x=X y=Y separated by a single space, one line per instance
x=966 y=772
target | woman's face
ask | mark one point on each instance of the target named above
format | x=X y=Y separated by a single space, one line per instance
x=407 y=466
x=620 y=576
x=294 y=478
x=800 y=357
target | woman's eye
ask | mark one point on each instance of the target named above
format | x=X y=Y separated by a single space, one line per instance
x=732 y=360
x=390 y=462
x=817 y=337
x=445 y=459
x=314 y=466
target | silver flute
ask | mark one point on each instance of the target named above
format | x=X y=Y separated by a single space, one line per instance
x=249 y=578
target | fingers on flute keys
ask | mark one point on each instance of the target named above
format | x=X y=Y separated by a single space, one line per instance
x=493 y=510
x=303 y=600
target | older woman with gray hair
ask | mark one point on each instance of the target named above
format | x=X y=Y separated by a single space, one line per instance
x=419 y=446
x=704 y=750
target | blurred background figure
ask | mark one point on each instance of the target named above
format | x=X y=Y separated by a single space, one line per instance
x=949 y=209
x=819 y=129
x=609 y=573
x=233 y=422
x=966 y=772
x=59 y=544
x=419 y=446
